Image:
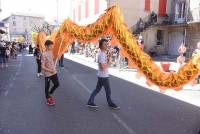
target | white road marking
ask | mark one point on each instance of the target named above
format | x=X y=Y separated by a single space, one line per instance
x=14 y=65
x=17 y=73
x=116 y=117
x=121 y=122
x=13 y=78
x=188 y=94
x=81 y=84
x=11 y=85
x=6 y=93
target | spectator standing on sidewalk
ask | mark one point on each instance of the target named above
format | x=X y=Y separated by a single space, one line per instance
x=3 y=55
x=14 y=51
x=61 y=61
x=73 y=51
x=141 y=42
x=103 y=76
x=7 y=53
x=181 y=58
x=197 y=52
x=37 y=55
x=49 y=70
x=30 y=49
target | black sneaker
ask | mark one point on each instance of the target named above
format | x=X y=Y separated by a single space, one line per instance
x=92 y=105
x=113 y=106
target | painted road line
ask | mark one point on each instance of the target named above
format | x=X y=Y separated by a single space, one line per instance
x=115 y=116
x=121 y=122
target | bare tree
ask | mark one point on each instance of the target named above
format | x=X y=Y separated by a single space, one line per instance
x=45 y=27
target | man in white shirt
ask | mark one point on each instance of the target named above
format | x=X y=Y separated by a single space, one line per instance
x=103 y=76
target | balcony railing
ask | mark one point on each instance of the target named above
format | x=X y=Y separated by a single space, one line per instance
x=148 y=21
x=194 y=15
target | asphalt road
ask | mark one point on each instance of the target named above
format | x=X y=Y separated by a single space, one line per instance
x=23 y=109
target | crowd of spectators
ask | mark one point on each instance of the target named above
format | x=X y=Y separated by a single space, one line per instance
x=92 y=50
x=9 y=50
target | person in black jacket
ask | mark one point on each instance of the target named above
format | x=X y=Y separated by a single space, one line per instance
x=30 y=49
x=61 y=61
x=37 y=55
x=3 y=55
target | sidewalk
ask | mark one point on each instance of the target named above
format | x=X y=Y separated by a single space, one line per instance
x=189 y=94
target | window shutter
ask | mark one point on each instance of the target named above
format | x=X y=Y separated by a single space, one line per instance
x=162 y=7
x=87 y=8
x=147 y=5
x=96 y=7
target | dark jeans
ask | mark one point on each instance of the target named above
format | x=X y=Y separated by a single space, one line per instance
x=3 y=59
x=61 y=60
x=198 y=79
x=55 y=82
x=7 y=58
x=39 y=65
x=106 y=84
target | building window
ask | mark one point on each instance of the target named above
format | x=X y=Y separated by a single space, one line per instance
x=96 y=6
x=162 y=7
x=14 y=23
x=87 y=8
x=160 y=37
x=147 y=5
x=180 y=10
x=13 y=18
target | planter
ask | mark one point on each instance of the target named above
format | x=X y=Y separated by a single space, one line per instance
x=165 y=66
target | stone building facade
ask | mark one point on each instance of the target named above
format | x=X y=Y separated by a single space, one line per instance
x=84 y=12
x=21 y=25
x=178 y=22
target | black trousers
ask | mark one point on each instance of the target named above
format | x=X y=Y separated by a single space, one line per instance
x=55 y=82
x=102 y=82
x=39 y=65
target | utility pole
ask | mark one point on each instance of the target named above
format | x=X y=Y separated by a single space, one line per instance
x=0 y=7
x=186 y=19
x=108 y=3
x=71 y=9
x=57 y=12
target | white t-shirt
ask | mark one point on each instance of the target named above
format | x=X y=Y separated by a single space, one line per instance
x=102 y=58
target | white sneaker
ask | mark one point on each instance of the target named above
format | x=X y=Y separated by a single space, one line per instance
x=38 y=75
x=41 y=74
